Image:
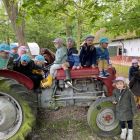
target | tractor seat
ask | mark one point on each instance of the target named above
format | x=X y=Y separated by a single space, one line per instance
x=78 y=74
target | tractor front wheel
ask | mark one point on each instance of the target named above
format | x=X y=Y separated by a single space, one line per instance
x=16 y=117
x=101 y=118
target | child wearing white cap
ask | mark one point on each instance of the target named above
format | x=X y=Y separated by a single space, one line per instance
x=125 y=107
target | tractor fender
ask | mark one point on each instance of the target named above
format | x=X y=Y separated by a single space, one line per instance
x=108 y=82
x=21 y=78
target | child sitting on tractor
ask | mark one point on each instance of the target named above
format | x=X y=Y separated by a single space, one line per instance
x=103 y=57
x=39 y=63
x=22 y=50
x=88 y=52
x=60 y=58
x=39 y=60
x=73 y=57
x=26 y=66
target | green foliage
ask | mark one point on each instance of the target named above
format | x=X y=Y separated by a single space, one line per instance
x=68 y=18
x=122 y=17
x=46 y=20
x=6 y=32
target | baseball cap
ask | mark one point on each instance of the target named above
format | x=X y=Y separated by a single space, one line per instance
x=89 y=36
x=25 y=58
x=58 y=40
x=4 y=47
x=119 y=79
x=13 y=46
x=40 y=58
x=23 y=48
x=104 y=40
x=134 y=61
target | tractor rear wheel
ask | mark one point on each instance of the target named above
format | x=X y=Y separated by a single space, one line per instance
x=101 y=118
x=16 y=117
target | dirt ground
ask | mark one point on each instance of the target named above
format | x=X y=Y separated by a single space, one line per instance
x=69 y=124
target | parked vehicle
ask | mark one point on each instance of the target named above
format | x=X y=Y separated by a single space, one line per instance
x=87 y=89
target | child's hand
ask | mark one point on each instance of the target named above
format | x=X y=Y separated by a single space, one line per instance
x=78 y=67
x=109 y=66
x=114 y=102
x=74 y=67
x=4 y=68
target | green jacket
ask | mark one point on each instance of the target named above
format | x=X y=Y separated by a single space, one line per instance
x=125 y=107
x=61 y=55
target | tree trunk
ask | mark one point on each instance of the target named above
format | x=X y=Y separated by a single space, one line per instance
x=12 y=10
x=79 y=23
x=68 y=27
x=79 y=32
x=68 y=31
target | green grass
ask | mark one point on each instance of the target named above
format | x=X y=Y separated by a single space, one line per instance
x=121 y=70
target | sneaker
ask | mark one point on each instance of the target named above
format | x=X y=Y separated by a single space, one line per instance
x=68 y=84
x=106 y=73
x=102 y=75
x=130 y=134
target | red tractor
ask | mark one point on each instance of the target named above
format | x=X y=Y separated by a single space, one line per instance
x=87 y=89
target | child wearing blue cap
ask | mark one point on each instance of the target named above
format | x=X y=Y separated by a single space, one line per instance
x=26 y=66
x=4 y=55
x=39 y=62
x=102 y=56
x=14 y=51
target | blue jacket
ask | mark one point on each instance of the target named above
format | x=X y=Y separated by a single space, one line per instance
x=73 y=57
x=102 y=54
x=87 y=55
x=132 y=71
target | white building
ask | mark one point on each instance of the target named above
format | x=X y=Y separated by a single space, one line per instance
x=128 y=47
x=34 y=48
